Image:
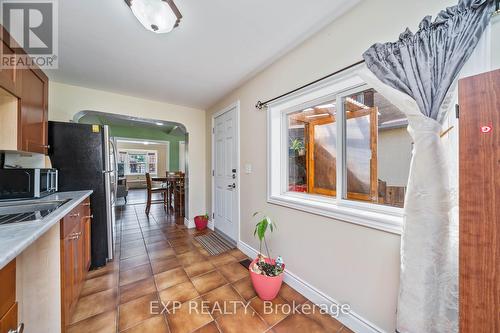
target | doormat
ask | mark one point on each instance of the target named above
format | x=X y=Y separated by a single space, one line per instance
x=214 y=243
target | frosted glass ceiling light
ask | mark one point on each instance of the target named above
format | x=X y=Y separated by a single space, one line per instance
x=160 y=16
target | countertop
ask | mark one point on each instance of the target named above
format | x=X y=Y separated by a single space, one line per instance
x=16 y=237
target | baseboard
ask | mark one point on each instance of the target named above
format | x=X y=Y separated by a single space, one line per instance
x=352 y=320
x=189 y=223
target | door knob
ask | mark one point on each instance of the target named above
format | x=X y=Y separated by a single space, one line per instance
x=231 y=186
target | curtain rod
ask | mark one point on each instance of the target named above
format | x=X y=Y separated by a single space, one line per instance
x=260 y=105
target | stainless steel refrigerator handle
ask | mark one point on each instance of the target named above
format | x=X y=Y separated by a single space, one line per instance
x=107 y=171
x=116 y=164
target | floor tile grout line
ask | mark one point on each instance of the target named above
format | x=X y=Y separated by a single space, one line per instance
x=152 y=272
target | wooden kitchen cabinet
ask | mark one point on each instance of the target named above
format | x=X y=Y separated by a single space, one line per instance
x=8 y=323
x=23 y=105
x=33 y=113
x=10 y=78
x=8 y=304
x=75 y=257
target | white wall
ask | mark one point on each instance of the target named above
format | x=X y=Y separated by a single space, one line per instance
x=66 y=100
x=347 y=262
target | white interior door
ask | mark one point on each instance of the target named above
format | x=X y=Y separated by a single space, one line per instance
x=225 y=174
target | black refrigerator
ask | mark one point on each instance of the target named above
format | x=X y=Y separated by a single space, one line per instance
x=85 y=158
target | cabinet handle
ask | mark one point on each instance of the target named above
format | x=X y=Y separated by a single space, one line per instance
x=86 y=204
x=74 y=215
x=46 y=146
x=20 y=329
x=89 y=217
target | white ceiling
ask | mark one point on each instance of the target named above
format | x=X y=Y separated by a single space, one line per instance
x=218 y=45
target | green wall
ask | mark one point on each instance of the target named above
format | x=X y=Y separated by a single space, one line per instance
x=151 y=134
x=145 y=133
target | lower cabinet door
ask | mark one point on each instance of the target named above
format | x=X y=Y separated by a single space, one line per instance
x=9 y=321
x=86 y=244
x=67 y=278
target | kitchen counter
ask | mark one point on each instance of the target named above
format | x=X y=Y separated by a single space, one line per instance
x=16 y=237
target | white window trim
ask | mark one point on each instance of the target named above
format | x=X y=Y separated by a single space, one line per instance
x=385 y=218
x=139 y=152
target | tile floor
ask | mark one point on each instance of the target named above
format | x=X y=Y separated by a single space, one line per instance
x=158 y=262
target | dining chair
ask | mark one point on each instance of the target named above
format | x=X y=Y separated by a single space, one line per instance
x=152 y=190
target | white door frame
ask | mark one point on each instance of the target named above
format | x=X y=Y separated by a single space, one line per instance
x=182 y=167
x=235 y=105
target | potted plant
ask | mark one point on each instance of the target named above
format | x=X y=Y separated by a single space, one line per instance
x=297 y=145
x=266 y=273
x=201 y=222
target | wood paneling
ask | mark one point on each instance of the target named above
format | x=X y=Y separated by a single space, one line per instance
x=480 y=203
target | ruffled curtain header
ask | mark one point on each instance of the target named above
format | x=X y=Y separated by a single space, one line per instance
x=425 y=64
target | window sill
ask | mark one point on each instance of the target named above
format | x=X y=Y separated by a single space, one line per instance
x=375 y=219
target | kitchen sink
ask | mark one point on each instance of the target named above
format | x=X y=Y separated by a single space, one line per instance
x=28 y=211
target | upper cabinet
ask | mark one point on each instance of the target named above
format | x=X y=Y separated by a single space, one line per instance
x=23 y=106
x=33 y=114
x=10 y=78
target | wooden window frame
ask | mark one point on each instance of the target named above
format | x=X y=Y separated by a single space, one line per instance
x=311 y=188
x=372 y=112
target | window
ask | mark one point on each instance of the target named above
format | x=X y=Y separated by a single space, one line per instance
x=340 y=150
x=138 y=162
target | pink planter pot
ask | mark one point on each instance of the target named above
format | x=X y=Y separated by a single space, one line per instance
x=201 y=222
x=267 y=287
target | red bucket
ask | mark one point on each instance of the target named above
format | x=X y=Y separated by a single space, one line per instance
x=201 y=222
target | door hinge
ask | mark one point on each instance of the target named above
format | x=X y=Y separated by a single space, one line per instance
x=457 y=111
x=213 y=130
x=213 y=173
x=213 y=215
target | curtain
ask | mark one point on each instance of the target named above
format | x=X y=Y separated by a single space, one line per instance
x=416 y=74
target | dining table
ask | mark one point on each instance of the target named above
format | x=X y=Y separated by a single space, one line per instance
x=169 y=182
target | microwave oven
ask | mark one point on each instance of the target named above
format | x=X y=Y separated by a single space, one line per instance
x=27 y=183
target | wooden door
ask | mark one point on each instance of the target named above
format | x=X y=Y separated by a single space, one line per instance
x=479 y=98
x=33 y=117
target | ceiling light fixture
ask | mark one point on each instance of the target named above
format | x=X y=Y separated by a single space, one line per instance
x=160 y=16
